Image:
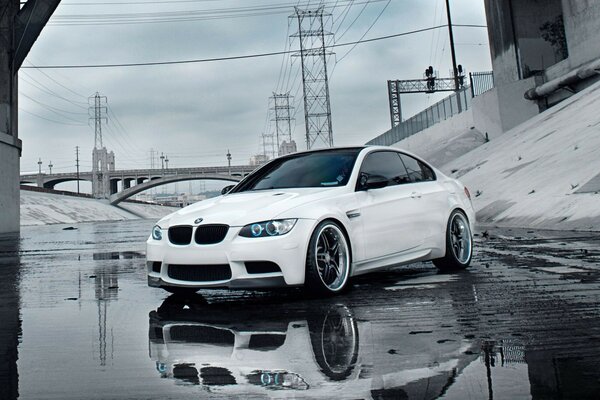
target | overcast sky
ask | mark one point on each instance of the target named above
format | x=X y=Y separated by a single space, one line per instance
x=195 y=112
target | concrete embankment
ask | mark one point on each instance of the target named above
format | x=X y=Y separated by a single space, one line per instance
x=50 y=208
x=544 y=173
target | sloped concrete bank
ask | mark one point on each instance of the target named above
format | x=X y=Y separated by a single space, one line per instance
x=48 y=208
x=544 y=173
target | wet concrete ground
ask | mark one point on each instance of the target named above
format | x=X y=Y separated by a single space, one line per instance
x=78 y=321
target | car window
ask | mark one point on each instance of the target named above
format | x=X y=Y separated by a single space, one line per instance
x=386 y=164
x=428 y=174
x=316 y=169
x=417 y=170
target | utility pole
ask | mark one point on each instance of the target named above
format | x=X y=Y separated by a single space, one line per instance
x=77 y=165
x=452 y=51
x=162 y=163
x=228 y=162
x=151 y=158
x=313 y=55
x=455 y=70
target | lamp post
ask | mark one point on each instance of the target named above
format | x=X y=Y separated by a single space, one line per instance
x=228 y=162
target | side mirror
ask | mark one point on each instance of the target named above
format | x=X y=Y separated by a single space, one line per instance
x=227 y=189
x=366 y=182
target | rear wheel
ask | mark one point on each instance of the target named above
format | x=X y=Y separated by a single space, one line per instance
x=328 y=260
x=459 y=243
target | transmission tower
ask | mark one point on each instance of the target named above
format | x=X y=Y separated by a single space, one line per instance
x=283 y=123
x=98 y=110
x=313 y=54
x=268 y=144
x=102 y=160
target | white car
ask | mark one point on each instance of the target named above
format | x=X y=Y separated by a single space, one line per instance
x=315 y=218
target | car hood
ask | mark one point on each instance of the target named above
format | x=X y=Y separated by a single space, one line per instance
x=239 y=209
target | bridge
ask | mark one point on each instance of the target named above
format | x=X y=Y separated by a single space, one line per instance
x=126 y=183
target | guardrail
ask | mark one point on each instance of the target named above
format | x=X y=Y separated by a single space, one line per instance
x=481 y=82
x=440 y=111
x=444 y=109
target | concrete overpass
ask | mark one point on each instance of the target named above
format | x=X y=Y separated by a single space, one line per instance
x=126 y=183
x=118 y=197
x=20 y=25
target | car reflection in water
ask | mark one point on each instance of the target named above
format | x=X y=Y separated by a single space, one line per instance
x=251 y=349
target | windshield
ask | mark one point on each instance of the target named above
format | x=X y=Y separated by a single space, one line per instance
x=316 y=169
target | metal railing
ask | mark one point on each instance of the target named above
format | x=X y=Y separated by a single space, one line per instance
x=440 y=111
x=481 y=82
x=444 y=109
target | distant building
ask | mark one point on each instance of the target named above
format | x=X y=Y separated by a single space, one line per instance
x=258 y=159
x=287 y=147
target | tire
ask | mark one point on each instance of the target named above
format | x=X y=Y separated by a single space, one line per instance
x=459 y=243
x=328 y=260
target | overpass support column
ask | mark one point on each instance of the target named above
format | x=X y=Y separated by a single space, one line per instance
x=10 y=145
x=114 y=188
x=19 y=29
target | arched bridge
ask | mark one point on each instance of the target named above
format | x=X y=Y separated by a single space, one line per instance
x=126 y=183
x=127 y=193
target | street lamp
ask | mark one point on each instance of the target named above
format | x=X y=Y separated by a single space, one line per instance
x=228 y=162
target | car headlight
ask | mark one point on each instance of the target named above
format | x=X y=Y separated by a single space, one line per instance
x=275 y=227
x=157 y=232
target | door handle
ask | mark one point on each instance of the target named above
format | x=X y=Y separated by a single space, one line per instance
x=415 y=195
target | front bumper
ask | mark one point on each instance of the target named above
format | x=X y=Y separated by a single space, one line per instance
x=287 y=251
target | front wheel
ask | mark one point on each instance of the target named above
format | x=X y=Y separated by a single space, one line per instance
x=459 y=243
x=328 y=260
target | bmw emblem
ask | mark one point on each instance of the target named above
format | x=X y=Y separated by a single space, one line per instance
x=198 y=220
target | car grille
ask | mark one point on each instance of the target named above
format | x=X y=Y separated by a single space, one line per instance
x=211 y=234
x=200 y=273
x=201 y=334
x=181 y=235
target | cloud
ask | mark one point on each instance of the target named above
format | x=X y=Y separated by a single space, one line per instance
x=195 y=112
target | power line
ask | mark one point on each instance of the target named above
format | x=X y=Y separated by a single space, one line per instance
x=136 y=2
x=58 y=83
x=242 y=57
x=49 y=119
x=354 y=20
x=183 y=15
x=49 y=91
x=58 y=111
x=366 y=32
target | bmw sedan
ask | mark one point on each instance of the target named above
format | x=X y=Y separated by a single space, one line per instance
x=315 y=219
